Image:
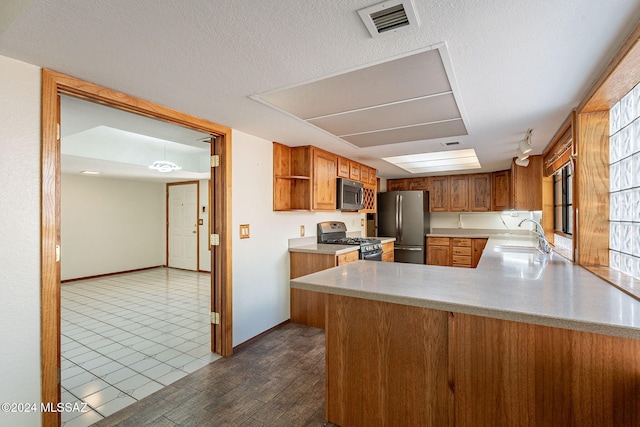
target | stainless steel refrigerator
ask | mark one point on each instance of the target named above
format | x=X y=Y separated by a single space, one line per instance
x=405 y=216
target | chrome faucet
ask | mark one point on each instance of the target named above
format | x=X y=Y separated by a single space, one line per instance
x=543 y=243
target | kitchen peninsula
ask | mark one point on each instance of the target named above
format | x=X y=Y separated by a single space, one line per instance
x=523 y=339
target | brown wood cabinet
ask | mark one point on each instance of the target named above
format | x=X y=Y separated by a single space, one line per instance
x=354 y=170
x=439 y=194
x=304 y=178
x=438 y=368
x=501 y=191
x=291 y=178
x=343 y=167
x=439 y=251
x=419 y=183
x=459 y=193
x=526 y=185
x=480 y=192
x=461 y=252
x=477 y=246
x=387 y=252
x=324 y=180
x=455 y=251
x=308 y=307
x=398 y=184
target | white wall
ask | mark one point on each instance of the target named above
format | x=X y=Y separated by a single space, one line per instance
x=261 y=263
x=110 y=225
x=19 y=238
x=205 y=253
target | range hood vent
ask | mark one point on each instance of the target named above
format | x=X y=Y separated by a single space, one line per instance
x=388 y=16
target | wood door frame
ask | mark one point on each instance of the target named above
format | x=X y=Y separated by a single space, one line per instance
x=172 y=184
x=53 y=85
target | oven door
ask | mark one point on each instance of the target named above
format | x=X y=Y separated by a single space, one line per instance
x=372 y=256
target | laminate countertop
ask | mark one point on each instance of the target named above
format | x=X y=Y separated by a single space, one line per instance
x=512 y=282
x=325 y=249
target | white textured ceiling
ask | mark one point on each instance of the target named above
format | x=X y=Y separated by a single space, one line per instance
x=518 y=64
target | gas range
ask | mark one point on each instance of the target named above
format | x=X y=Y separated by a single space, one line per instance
x=335 y=232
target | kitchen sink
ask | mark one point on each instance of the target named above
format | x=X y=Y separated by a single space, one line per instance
x=516 y=249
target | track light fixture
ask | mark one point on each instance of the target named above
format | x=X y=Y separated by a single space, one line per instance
x=524 y=150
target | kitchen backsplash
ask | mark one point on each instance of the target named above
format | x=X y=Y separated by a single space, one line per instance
x=508 y=220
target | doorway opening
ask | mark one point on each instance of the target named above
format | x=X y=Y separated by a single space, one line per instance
x=56 y=84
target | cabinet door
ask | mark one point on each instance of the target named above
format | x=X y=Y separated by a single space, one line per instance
x=439 y=255
x=343 y=167
x=477 y=246
x=500 y=191
x=364 y=174
x=480 y=192
x=419 y=184
x=439 y=194
x=397 y=184
x=354 y=171
x=459 y=185
x=387 y=252
x=324 y=180
x=372 y=176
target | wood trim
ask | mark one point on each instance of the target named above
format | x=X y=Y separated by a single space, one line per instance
x=54 y=84
x=591 y=195
x=166 y=234
x=49 y=238
x=619 y=76
x=555 y=149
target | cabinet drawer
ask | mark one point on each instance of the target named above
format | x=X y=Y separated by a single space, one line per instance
x=461 y=261
x=438 y=241
x=457 y=250
x=457 y=241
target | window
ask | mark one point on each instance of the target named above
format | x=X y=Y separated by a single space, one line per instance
x=563 y=200
x=624 y=181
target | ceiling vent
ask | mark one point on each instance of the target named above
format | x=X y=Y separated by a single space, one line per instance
x=450 y=143
x=388 y=16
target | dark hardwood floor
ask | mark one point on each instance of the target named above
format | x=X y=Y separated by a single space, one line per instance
x=276 y=380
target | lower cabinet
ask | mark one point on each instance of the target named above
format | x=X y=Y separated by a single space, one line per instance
x=455 y=251
x=308 y=307
x=387 y=252
x=392 y=364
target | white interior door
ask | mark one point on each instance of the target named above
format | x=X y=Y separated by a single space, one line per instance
x=183 y=226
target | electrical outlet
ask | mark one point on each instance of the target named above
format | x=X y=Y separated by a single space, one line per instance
x=302 y=231
x=244 y=231
x=361 y=222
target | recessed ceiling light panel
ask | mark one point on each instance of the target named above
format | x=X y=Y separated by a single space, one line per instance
x=438 y=161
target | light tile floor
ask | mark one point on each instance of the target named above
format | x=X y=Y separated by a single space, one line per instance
x=128 y=335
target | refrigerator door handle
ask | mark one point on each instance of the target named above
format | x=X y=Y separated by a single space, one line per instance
x=397 y=218
x=400 y=217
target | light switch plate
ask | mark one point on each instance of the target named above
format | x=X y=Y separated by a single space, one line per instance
x=244 y=231
x=302 y=231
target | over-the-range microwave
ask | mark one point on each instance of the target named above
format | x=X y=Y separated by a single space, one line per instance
x=350 y=195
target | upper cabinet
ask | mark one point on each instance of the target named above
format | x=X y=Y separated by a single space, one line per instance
x=526 y=185
x=304 y=178
x=439 y=194
x=480 y=192
x=501 y=191
x=343 y=168
x=459 y=193
x=324 y=180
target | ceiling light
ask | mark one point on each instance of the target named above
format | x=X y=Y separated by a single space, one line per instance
x=90 y=172
x=524 y=149
x=164 y=166
x=437 y=161
x=522 y=155
x=524 y=146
